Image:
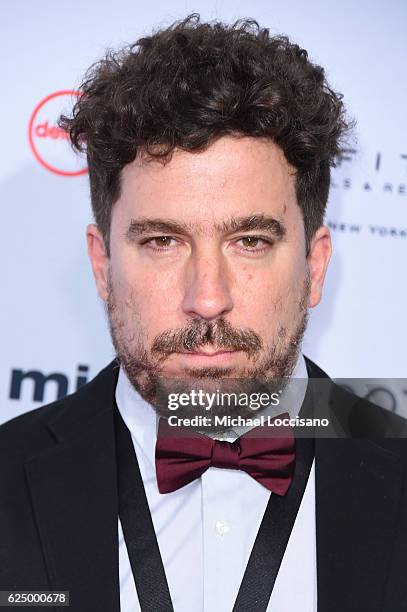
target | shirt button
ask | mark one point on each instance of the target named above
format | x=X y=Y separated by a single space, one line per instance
x=222 y=527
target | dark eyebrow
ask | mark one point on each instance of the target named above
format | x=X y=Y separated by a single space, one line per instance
x=162 y=226
x=254 y=222
x=262 y=222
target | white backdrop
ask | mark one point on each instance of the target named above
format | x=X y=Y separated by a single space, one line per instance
x=52 y=320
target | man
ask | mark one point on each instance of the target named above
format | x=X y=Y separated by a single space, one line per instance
x=209 y=150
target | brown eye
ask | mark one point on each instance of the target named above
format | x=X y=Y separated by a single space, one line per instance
x=250 y=242
x=162 y=241
x=253 y=245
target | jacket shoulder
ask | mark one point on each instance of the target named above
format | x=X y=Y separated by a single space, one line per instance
x=30 y=429
x=358 y=417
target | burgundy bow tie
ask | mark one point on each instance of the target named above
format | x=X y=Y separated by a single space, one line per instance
x=182 y=457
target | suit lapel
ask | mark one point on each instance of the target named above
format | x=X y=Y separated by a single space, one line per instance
x=74 y=494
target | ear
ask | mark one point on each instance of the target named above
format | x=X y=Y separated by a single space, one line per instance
x=98 y=258
x=318 y=260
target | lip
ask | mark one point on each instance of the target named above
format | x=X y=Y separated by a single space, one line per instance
x=206 y=353
x=206 y=358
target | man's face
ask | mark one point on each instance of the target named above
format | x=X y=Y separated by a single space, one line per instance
x=208 y=275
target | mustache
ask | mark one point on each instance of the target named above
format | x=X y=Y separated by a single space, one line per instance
x=199 y=332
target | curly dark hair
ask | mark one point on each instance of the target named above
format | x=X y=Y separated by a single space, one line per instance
x=189 y=84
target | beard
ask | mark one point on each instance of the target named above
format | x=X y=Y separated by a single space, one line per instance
x=268 y=369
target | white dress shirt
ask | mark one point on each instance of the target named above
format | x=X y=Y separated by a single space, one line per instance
x=206 y=529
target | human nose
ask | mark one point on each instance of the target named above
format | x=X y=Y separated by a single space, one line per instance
x=207 y=292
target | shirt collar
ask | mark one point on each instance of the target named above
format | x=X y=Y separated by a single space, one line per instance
x=291 y=399
x=139 y=416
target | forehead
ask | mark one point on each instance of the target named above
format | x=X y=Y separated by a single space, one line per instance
x=234 y=177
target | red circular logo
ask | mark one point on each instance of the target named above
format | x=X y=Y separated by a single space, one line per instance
x=49 y=144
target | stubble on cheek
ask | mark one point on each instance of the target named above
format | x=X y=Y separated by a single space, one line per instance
x=125 y=321
x=288 y=318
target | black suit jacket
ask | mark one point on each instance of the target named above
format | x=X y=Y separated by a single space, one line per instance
x=58 y=503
